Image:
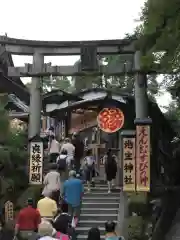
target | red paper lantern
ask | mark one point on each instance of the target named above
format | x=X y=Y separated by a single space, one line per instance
x=110 y=120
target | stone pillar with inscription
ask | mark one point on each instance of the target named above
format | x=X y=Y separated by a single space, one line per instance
x=142 y=123
x=127 y=177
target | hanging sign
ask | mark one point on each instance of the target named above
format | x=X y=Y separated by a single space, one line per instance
x=129 y=147
x=9 y=211
x=143 y=158
x=36 y=163
x=110 y=120
x=80 y=122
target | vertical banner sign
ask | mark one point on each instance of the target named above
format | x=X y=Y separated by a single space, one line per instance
x=143 y=158
x=129 y=170
x=36 y=163
x=62 y=129
x=9 y=211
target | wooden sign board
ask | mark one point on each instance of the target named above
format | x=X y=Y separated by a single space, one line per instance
x=129 y=167
x=9 y=211
x=97 y=146
x=143 y=158
x=36 y=163
x=80 y=122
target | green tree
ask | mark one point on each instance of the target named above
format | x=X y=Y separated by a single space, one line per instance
x=52 y=83
x=84 y=82
x=13 y=160
x=159 y=38
x=126 y=83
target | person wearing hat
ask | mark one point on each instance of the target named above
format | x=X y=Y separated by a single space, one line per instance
x=27 y=221
x=72 y=192
x=46 y=231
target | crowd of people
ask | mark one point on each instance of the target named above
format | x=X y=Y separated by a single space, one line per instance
x=58 y=211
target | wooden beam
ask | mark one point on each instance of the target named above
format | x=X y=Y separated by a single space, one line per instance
x=55 y=51
x=55 y=48
x=63 y=44
x=117 y=70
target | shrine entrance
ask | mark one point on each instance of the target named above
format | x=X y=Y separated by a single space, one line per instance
x=98 y=151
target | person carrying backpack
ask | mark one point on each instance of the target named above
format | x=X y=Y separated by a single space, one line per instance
x=62 y=166
x=110 y=169
x=89 y=164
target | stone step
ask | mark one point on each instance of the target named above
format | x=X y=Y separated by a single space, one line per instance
x=100 y=204
x=92 y=223
x=102 y=189
x=99 y=210
x=102 y=194
x=101 y=186
x=84 y=237
x=95 y=216
x=85 y=230
x=101 y=199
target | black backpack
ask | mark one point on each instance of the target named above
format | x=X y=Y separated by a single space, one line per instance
x=61 y=163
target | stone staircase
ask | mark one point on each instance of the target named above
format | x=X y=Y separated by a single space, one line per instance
x=98 y=207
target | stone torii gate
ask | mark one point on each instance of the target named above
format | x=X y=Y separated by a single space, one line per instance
x=88 y=50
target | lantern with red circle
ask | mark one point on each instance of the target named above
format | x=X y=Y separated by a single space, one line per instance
x=110 y=120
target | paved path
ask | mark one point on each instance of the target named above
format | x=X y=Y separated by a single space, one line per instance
x=174 y=233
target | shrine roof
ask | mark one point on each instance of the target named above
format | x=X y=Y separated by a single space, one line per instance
x=58 y=96
x=94 y=93
x=105 y=90
x=8 y=85
x=19 y=115
x=15 y=79
x=15 y=103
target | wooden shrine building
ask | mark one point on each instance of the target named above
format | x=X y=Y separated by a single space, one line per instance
x=80 y=113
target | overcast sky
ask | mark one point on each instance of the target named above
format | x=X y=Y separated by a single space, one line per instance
x=69 y=20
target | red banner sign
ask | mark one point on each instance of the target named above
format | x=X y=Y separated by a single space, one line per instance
x=143 y=158
x=110 y=120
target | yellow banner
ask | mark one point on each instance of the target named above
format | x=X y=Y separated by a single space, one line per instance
x=143 y=158
x=129 y=164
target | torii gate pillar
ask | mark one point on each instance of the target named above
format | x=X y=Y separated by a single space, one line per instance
x=35 y=98
x=140 y=87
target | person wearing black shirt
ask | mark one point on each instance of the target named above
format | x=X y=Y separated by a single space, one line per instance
x=62 y=222
x=79 y=151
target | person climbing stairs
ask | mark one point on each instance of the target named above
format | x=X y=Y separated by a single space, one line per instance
x=98 y=207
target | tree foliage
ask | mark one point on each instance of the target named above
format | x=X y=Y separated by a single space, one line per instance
x=160 y=39
x=52 y=83
x=13 y=160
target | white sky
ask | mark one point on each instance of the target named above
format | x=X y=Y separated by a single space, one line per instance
x=69 y=20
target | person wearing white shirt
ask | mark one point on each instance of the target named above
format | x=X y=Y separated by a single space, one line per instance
x=53 y=148
x=69 y=147
x=52 y=183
